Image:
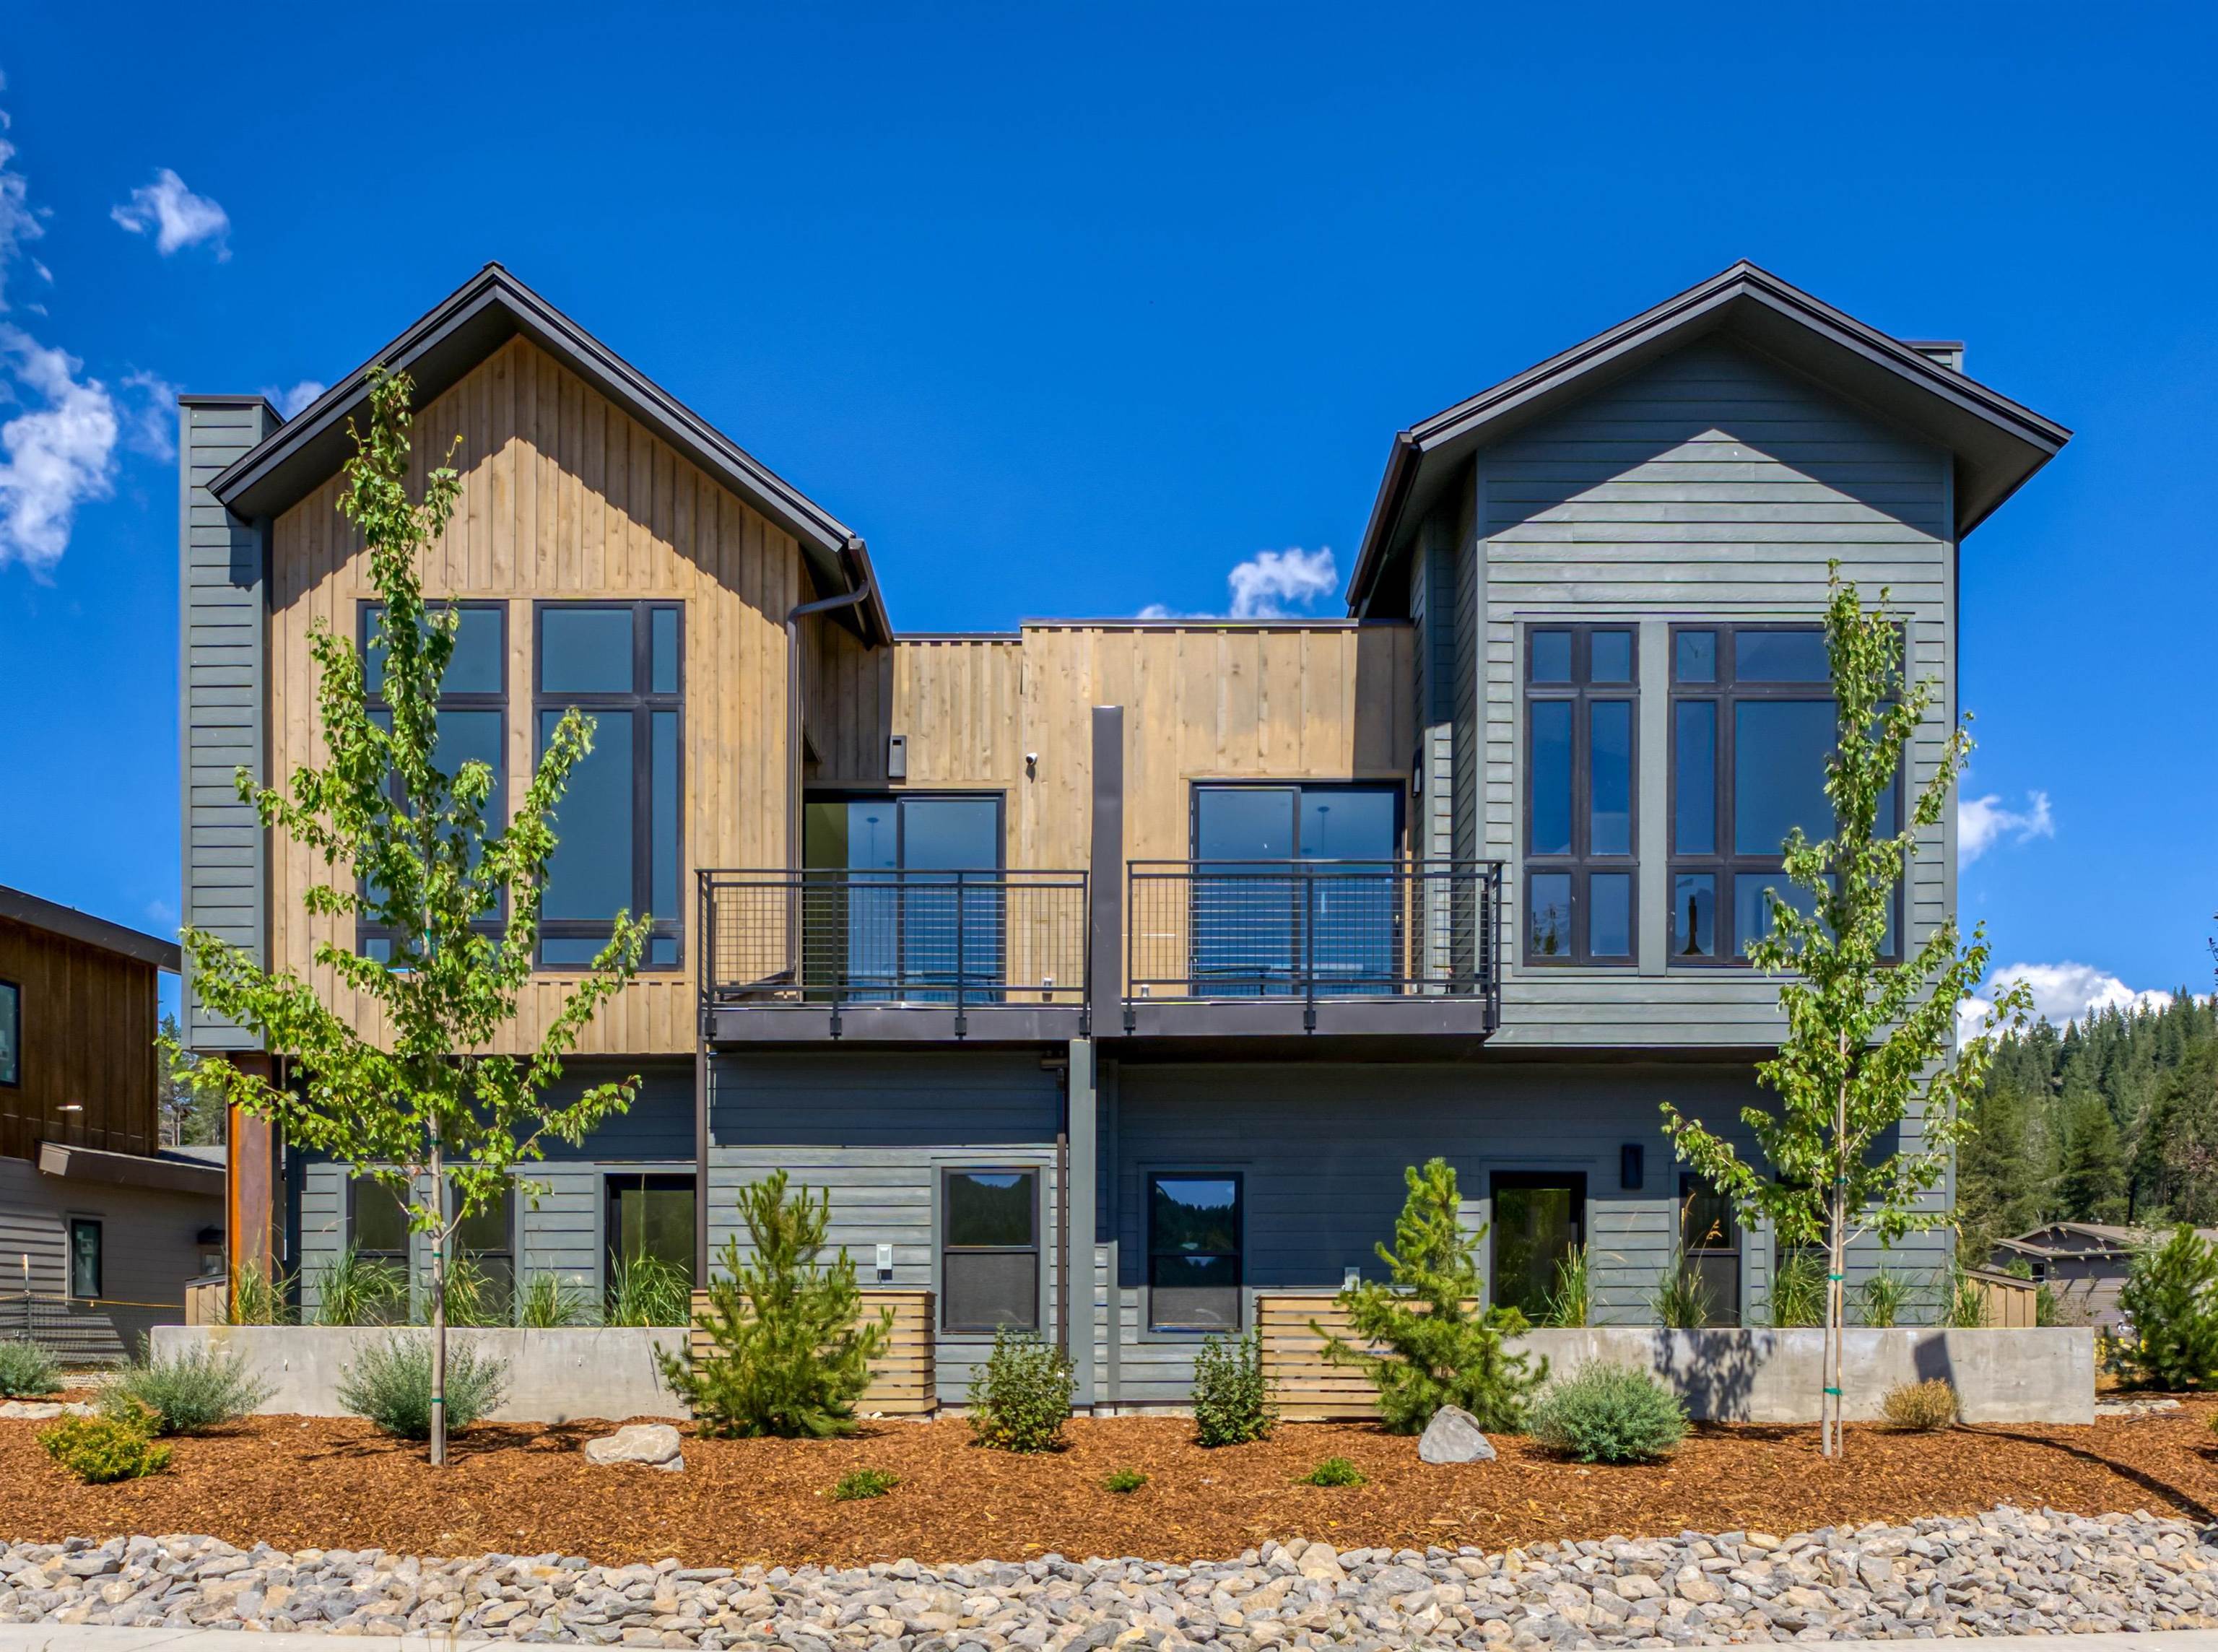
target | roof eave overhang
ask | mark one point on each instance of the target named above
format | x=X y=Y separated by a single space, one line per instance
x=73 y=1163
x=1997 y=443
x=468 y=325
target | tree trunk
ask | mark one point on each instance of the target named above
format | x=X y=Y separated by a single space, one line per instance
x=1837 y=1281
x=439 y=1309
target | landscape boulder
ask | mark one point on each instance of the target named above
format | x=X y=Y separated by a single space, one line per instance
x=1454 y=1436
x=655 y=1443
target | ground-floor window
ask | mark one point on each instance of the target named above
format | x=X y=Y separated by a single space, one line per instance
x=1540 y=1220
x=649 y=1229
x=1709 y=1247
x=1194 y=1261
x=990 y=1252
x=484 y=1254
x=85 y=1258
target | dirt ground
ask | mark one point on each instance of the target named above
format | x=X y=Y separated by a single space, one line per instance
x=300 y=1483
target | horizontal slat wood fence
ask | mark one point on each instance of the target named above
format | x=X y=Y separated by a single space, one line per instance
x=1306 y=1388
x=903 y=1381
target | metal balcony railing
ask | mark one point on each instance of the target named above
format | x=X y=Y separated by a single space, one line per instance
x=1313 y=930
x=959 y=939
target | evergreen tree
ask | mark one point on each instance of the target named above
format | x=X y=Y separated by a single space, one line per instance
x=2091 y=1181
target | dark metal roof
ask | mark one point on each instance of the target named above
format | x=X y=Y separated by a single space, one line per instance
x=1997 y=443
x=37 y=912
x=462 y=330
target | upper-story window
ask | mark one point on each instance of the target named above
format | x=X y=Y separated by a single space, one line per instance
x=473 y=722
x=11 y=1033
x=1295 y=888
x=1752 y=726
x=619 y=825
x=1580 y=693
x=901 y=896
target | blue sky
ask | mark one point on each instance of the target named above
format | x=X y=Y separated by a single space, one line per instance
x=1075 y=311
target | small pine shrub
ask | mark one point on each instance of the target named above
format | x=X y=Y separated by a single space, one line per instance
x=860 y=1483
x=1121 y=1481
x=1606 y=1413
x=1334 y=1471
x=101 y=1449
x=26 y=1370
x=390 y=1384
x=185 y=1393
x=2171 y=1303
x=1231 y=1402
x=1020 y=1398
x=1927 y=1407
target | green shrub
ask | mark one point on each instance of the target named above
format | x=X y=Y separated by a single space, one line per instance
x=1798 y=1290
x=548 y=1302
x=1571 y=1300
x=1606 y=1413
x=352 y=1289
x=1682 y=1300
x=257 y=1296
x=1440 y=1350
x=1926 y=1407
x=390 y=1384
x=26 y=1370
x=1334 y=1471
x=860 y=1483
x=474 y=1297
x=1121 y=1481
x=99 y=1450
x=1020 y=1398
x=787 y=1356
x=1882 y=1297
x=185 y=1393
x=647 y=1290
x=1231 y=1402
x=2170 y=1303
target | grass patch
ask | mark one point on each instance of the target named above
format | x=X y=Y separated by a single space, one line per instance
x=1334 y=1471
x=1121 y=1481
x=859 y=1483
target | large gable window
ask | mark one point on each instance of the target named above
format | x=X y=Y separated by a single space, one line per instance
x=620 y=836
x=1580 y=697
x=1753 y=724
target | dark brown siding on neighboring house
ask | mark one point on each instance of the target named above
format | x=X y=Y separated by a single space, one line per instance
x=88 y=1021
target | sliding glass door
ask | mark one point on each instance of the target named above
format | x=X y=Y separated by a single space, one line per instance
x=1295 y=886
x=903 y=898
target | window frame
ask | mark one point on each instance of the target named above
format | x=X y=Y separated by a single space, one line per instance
x=70 y=1226
x=999 y=797
x=1149 y=1176
x=405 y=1256
x=12 y=1077
x=1036 y=1250
x=642 y=703
x=615 y=1182
x=1575 y=1181
x=1724 y=865
x=495 y=922
x=1581 y=863
x=1396 y=787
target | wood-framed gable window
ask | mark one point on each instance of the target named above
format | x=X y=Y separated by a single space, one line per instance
x=473 y=723
x=1753 y=723
x=11 y=1035
x=620 y=824
x=1582 y=695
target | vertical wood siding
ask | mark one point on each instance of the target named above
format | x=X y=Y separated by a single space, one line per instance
x=88 y=1044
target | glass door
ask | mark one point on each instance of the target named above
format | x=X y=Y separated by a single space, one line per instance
x=1294 y=884
x=890 y=920
x=1540 y=1220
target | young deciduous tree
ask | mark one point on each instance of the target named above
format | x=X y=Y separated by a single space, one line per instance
x=422 y=853
x=1869 y=1041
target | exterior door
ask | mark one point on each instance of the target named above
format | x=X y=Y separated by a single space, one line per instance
x=1539 y=1219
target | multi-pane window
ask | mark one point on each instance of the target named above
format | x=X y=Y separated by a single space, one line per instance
x=989 y=1250
x=11 y=1034
x=618 y=826
x=1194 y=1254
x=485 y=1240
x=1753 y=724
x=85 y=1258
x=1580 y=850
x=473 y=713
x=378 y=1235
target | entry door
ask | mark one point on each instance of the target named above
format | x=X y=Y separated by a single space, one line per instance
x=1539 y=1219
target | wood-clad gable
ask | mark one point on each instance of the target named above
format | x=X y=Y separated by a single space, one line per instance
x=87 y=1071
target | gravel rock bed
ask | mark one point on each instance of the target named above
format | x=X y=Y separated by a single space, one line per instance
x=2006 y=1572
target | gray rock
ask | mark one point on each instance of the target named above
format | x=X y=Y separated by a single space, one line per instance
x=1454 y=1436
x=655 y=1445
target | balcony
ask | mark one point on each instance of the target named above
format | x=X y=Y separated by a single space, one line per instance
x=903 y=956
x=1259 y=947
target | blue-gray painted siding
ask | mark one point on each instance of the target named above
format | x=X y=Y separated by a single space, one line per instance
x=1708 y=486
x=223 y=566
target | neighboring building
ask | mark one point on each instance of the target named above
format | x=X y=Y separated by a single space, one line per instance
x=101 y=1227
x=2084 y=1264
x=1108 y=971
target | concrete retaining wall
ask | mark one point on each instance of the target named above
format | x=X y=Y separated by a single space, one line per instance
x=553 y=1376
x=1757 y=1375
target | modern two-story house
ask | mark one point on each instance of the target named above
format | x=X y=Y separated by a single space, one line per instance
x=1109 y=972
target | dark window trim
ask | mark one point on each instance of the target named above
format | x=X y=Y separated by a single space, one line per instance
x=1149 y=1176
x=98 y=1224
x=672 y=1178
x=1724 y=865
x=14 y=989
x=1036 y=1250
x=1581 y=864
x=998 y=796
x=1497 y=1180
x=355 y=1182
x=1398 y=787
x=366 y=930
x=642 y=702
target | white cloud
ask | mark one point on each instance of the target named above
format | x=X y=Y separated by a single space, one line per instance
x=2061 y=993
x=178 y=217
x=1266 y=582
x=289 y=402
x=1982 y=822
x=55 y=458
x=18 y=222
x=150 y=418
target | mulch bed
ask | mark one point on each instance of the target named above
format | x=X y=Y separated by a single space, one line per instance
x=299 y=1482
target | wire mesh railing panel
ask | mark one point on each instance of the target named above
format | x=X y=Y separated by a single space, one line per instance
x=1313 y=930
x=966 y=939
